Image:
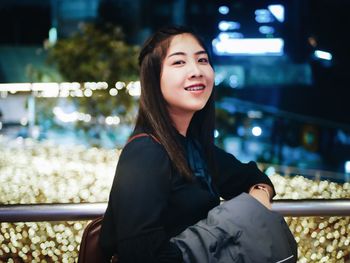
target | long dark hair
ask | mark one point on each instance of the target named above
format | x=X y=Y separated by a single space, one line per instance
x=153 y=115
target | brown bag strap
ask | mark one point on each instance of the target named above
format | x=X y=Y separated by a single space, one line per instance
x=142 y=135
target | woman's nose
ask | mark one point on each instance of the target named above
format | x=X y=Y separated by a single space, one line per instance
x=195 y=70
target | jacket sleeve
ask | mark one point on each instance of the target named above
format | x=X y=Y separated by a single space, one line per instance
x=234 y=177
x=137 y=202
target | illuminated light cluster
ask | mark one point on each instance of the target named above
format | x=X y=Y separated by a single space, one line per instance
x=70 y=117
x=230 y=42
x=224 y=10
x=120 y=85
x=32 y=172
x=76 y=93
x=229 y=25
x=254 y=114
x=323 y=55
x=277 y=11
x=113 y=92
x=23 y=121
x=88 y=93
x=270 y=14
x=251 y=46
x=3 y=94
x=45 y=86
x=216 y=133
x=270 y=171
x=234 y=81
x=96 y=85
x=112 y=120
x=229 y=35
x=266 y=30
x=66 y=89
x=53 y=35
x=347 y=167
x=256 y=131
x=263 y=16
x=79 y=116
x=219 y=78
x=134 y=88
x=15 y=87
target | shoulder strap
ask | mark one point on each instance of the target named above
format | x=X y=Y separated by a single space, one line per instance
x=142 y=135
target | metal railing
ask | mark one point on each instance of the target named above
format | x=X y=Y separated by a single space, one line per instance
x=87 y=211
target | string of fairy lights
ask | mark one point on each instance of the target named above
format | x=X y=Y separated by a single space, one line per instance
x=42 y=172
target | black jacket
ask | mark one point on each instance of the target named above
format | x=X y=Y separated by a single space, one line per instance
x=240 y=230
x=150 y=202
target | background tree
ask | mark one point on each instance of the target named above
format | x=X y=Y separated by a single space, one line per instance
x=93 y=54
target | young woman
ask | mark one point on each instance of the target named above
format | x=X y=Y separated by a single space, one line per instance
x=169 y=179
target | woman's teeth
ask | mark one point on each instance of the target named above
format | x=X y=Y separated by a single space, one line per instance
x=195 y=88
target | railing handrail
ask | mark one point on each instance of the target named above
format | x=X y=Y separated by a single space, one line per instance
x=87 y=211
x=51 y=212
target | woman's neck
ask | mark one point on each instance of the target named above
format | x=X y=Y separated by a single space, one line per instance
x=181 y=121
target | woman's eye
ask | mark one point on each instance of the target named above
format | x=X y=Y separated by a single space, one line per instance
x=203 y=60
x=178 y=62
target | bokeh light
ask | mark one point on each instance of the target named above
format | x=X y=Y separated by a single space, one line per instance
x=32 y=172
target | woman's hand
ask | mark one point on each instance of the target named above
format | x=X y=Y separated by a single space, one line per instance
x=262 y=193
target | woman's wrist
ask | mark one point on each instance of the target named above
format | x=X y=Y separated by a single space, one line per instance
x=262 y=194
x=261 y=188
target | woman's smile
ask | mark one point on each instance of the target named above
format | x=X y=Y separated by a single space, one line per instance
x=196 y=88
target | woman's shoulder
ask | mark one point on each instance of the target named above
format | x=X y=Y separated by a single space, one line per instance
x=143 y=145
x=142 y=140
x=143 y=153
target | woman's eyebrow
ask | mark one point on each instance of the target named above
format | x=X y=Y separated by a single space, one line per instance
x=201 y=52
x=183 y=53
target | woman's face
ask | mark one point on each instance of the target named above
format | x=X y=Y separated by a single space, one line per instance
x=187 y=78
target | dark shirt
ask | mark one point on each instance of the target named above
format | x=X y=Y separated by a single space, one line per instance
x=150 y=202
